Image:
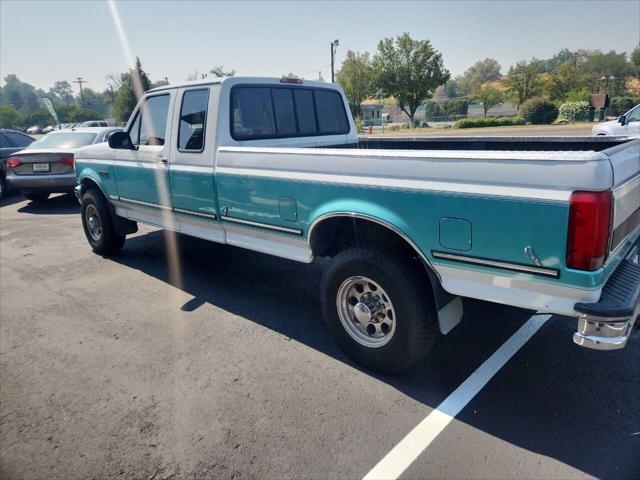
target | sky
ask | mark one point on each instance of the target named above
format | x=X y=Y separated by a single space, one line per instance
x=45 y=41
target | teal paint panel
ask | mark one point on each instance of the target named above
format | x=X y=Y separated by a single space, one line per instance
x=101 y=174
x=193 y=191
x=144 y=182
x=455 y=234
x=288 y=209
x=502 y=226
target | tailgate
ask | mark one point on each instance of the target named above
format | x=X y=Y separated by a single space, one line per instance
x=625 y=162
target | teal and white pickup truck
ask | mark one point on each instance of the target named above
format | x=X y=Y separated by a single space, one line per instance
x=410 y=225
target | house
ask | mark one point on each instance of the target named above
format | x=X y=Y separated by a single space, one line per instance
x=371 y=112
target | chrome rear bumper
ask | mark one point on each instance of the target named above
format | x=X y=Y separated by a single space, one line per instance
x=608 y=335
x=607 y=324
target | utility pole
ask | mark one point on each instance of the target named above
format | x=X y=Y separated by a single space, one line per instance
x=80 y=81
x=334 y=46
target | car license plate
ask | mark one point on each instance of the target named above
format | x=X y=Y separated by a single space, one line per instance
x=40 y=167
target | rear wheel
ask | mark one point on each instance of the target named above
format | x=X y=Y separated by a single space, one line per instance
x=97 y=224
x=37 y=197
x=379 y=308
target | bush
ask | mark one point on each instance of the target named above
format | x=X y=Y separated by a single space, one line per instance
x=359 y=124
x=539 y=111
x=432 y=109
x=406 y=126
x=455 y=106
x=576 y=112
x=489 y=122
x=424 y=125
x=581 y=95
x=622 y=103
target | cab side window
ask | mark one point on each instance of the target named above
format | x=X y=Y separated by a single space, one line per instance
x=150 y=125
x=193 y=120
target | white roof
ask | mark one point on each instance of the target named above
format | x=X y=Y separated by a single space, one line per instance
x=234 y=80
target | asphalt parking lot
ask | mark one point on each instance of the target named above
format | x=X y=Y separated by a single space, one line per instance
x=109 y=369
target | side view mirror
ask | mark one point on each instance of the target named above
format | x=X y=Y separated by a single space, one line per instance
x=121 y=140
x=622 y=119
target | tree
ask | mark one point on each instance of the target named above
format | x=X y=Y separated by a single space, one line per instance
x=632 y=86
x=596 y=65
x=95 y=101
x=10 y=117
x=524 y=79
x=39 y=116
x=217 y=71
x=489 y=95
x=487 y=70
x=23 y=96
x=75 y=114
x=408 y=69
x=455 y=106
x=62 y=90
x=635 y=60
x=563 y=56
x=133 y=85
x=566 y=78
x=356 y=79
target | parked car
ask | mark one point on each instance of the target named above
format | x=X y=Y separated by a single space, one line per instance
x=47 y=165
x=48 y=129
x=93 y=123
x=627 y=124
x=410 y=225
x=11 y=141
x=36 y=129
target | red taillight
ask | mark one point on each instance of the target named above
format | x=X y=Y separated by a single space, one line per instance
x=67 y=160
x=13 y=162
x=589 y=226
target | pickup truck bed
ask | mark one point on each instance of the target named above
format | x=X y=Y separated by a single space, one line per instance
x=529 y=143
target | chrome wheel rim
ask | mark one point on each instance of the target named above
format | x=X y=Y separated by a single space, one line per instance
x=94 y=225
x=366 y=312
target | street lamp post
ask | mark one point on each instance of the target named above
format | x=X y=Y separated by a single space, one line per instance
x=334 y=46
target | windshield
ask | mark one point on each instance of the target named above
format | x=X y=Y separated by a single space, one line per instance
x=64 y=140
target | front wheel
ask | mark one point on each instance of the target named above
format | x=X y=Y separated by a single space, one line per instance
x=379 y=307
x=97 y=224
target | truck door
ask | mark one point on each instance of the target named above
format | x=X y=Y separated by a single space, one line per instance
x=142 y=174
x=193 y=196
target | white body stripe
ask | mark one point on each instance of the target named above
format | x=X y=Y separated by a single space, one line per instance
x=513 y=290
x=402 y=184
x=491 y=173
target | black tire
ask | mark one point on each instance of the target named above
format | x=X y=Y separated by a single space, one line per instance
x=408 y=289
x=4 y=190
x=37 y=197
x=108 y=241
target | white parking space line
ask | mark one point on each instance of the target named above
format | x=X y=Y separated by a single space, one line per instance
x=417 y=440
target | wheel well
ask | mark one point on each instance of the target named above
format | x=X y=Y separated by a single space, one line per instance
x=89 y=183
x=335 y=233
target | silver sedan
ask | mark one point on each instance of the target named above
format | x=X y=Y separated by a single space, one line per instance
x=47 y=165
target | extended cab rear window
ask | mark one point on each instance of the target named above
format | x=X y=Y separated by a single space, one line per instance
x=259 y=112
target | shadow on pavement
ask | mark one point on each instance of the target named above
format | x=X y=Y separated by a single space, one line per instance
x=11 y=198
x=554 y=398
x=54 y=205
